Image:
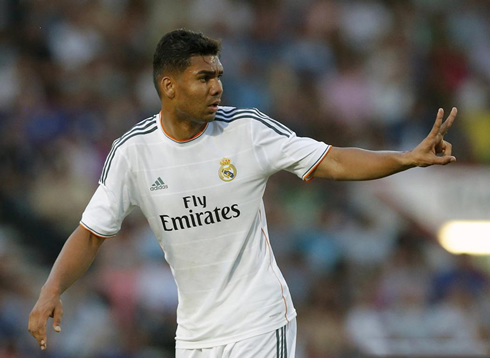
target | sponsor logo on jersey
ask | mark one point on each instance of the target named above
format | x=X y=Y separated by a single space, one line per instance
x=158 y=185
x=198 y=215
x=227 y=171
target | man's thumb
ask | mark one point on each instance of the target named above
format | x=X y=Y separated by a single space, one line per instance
x=58 y=313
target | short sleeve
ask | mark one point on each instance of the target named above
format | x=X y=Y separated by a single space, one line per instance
x=112 y=200
x=280 y=149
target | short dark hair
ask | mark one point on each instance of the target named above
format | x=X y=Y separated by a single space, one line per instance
x=175 y=49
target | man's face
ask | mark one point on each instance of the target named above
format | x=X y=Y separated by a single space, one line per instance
x=199 y=89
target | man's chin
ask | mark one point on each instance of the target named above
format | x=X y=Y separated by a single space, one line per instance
x=209 y=117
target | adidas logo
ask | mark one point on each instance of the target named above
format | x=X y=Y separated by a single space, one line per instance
x=158 y=185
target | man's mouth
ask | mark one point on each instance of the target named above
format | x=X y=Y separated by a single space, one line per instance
x=214 y=105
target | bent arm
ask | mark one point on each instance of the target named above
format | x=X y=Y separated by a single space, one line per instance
x=360 y=164
x=75 y=258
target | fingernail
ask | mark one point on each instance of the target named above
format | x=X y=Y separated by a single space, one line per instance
x=43 y=343
x=57 y=329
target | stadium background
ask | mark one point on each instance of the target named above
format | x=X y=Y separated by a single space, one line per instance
x=75 y=75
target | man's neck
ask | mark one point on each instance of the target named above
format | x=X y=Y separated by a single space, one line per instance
x=179 y=128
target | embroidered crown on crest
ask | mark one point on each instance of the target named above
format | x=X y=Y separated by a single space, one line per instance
x=225 y=161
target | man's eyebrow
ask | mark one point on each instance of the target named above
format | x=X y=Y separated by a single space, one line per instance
x=209 y=73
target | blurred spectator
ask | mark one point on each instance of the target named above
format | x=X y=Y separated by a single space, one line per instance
x=464 y=276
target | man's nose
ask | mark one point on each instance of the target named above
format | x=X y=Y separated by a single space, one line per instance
x=217 y=87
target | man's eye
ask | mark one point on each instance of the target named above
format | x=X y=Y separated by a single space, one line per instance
x=203 y=79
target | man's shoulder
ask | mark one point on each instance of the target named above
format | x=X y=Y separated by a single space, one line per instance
x=140 y=132
x=231 y=114
x=257 y=119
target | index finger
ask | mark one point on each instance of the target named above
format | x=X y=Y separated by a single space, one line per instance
x=449 y=121
x=436 y=129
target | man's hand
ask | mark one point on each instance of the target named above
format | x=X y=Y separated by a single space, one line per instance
x=434 y=149
x=73 y=261
x=48 y=305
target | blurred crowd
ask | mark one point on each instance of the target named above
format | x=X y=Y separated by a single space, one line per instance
x=75 y=75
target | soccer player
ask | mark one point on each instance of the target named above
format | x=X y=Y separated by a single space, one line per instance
x=198 y=172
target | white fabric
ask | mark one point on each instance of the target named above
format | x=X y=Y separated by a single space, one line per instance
x=280 y=343
x=213 y=232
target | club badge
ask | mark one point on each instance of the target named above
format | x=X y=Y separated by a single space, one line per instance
x=227 y=171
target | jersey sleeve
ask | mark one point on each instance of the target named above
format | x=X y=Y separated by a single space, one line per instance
x=112 y=201
x=278 y=148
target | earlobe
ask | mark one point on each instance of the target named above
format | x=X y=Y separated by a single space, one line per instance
x=168 y=88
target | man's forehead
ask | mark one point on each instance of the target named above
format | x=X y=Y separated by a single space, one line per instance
x=207 y=63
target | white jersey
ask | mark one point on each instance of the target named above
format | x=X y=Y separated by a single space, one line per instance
x=203 y=200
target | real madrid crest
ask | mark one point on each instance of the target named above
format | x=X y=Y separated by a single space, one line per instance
x=227 y=171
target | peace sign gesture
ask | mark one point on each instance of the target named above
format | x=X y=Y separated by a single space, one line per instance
x=434 y=149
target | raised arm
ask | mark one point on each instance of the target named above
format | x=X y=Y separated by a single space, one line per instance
x=360 y=164
x=75 y=258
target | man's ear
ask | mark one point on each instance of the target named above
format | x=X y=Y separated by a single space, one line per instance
x=167 y=84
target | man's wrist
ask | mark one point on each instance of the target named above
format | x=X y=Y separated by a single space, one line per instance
x=51 y=290
x=408 y=160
